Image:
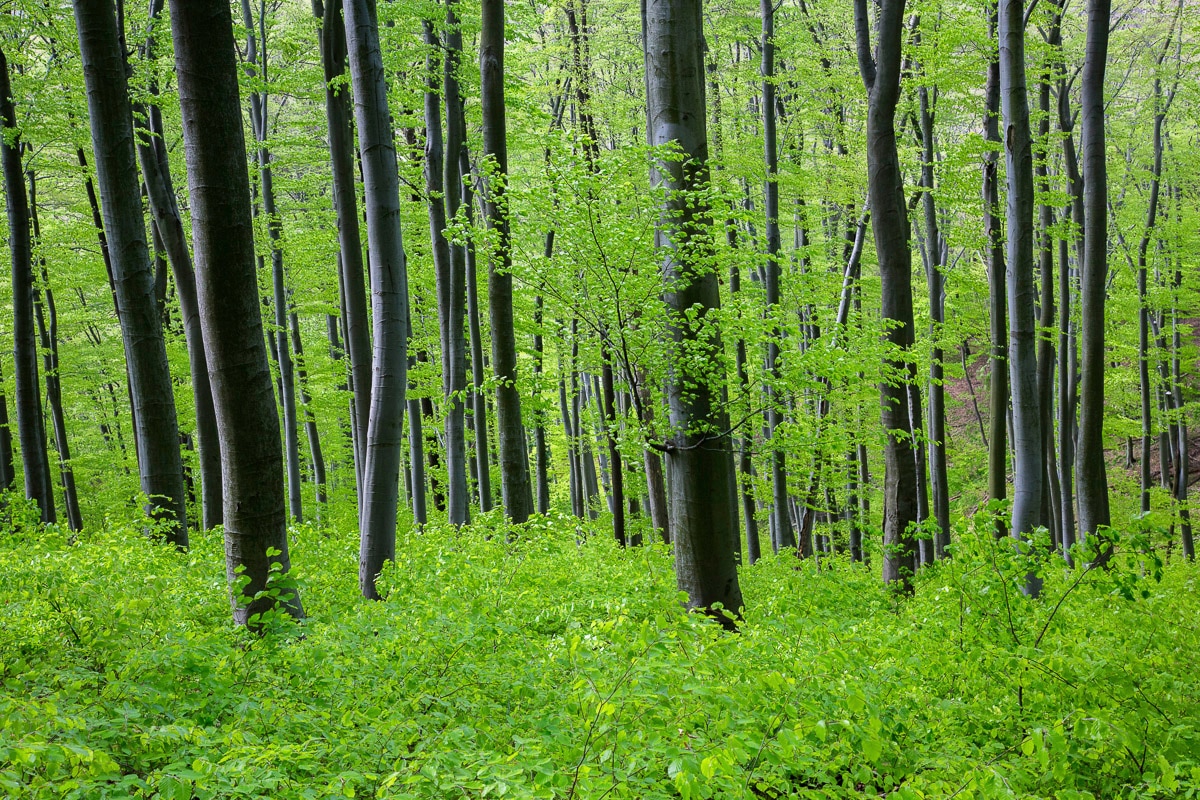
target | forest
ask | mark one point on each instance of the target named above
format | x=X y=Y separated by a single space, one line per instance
x=597 y=399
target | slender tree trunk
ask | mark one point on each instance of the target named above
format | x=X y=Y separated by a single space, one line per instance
x=227 y=289
x=703 y=505
x=389 y=293
x=8 y=473
x=160 y=467
x=542 y=479
x=310 y=421
x=998 y=401
x=478 y=401
x=936 y=282
x=514 y=462
x=889 y=222
x=1029 y=467
x=1092 y=478
x=783 y=527
x=746 y=475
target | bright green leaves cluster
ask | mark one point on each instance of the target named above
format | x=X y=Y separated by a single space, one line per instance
x=541 y=662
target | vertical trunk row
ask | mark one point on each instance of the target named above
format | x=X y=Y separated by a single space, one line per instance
x=256 y=66
x=47 y=323
x=31 y=429
x=450 y=288
x=160 y=467
x=345 y=204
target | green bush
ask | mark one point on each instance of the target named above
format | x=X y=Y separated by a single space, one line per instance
x=543 y=662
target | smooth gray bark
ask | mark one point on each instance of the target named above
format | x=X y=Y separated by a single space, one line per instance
x=227 y=289
x=514 y=463
x=156 y=427
x=1092 y=480
x=998 y=363
x=389 y=294
x=1029 y=461
x=889 y=223
x=456 y=346
x=703 y=505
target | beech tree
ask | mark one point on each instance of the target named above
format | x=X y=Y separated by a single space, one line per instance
x=255 y=519
x=156 y=425
x=703 y=505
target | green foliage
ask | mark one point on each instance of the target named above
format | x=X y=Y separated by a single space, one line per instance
x=541 y=662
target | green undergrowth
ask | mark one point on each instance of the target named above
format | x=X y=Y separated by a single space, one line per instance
x=541 y=662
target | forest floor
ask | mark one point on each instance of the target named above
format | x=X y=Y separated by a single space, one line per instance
x=546 y=663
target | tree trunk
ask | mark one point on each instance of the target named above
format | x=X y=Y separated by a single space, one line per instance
x=227 y=290
x=160 y=467
x=514 y=462
x=7 y=472
x=889 y=222
x=1029 y=466
x=164 y=209
x=310 y=420
x=779 y=508
x=389 y=294
x=703 y=505
x=936 y=282
x=542 y=479
x=477 y=400
x=1092 y=480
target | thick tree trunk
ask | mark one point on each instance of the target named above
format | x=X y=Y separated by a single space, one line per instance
x=703 y=504
x=160 y=467
x=227 y=289
x=1029 y=463
x=889 y=222
x=1092 y=478
x=389 y=293
x=514 y=462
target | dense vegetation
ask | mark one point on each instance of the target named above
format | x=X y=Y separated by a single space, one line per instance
x=719 y=399
x=545 y=665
